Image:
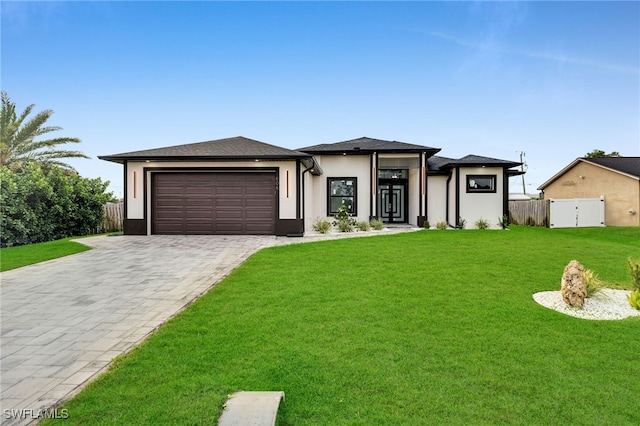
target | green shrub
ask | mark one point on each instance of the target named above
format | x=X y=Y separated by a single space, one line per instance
x=426 y=225
x=504 y=222
x=342 y=214
x=345 y=226
x=462 y=223
x=634 y=299
x=442 y=225
x=322 y=226
x=343 y=220
x=38 y=205
x=363 y=225
x=593 y=282
x=482 y=224
x=377 y=224
x=634 y=269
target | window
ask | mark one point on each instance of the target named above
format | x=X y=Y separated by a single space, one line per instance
x=481 y=183
x=342 y=192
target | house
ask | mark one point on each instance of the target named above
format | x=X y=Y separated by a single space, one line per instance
x=243 y=186
x=617 y=179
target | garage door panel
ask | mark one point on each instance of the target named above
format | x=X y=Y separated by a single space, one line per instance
x=167 y=203
x=256 y=190
x=229 y=227
x=257 y=203
x=258 y=229
x=228 y=191
x=227 y=215
x=199 y=228
x=172 y=228
x=198 y=215
x=214 y=203
x=254 y=216
x=197 y=192
x=168 y=214
x=173 y=191
x=189 y=202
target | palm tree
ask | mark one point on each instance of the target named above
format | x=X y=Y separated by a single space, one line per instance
x=17 y=138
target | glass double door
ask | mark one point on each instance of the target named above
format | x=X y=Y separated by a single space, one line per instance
x=392 y=200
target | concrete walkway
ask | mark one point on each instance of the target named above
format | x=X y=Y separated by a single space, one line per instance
x=63 y=321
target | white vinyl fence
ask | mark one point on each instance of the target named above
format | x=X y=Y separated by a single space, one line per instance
x=576 y=212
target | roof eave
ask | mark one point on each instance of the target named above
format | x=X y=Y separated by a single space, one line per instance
x=501 y=165
x=372 y=151
x=123 y=159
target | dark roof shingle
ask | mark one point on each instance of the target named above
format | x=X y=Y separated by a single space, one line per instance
x=367 y=145
x=628 y=165
x=230 y=148
x=442 y=164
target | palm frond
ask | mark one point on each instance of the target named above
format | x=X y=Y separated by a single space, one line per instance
x=18 y=142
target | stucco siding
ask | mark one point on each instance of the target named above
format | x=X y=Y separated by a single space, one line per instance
x=339 y=166
x=413 y=192
x=437 y=199
x=621 y=193
x=482 y=205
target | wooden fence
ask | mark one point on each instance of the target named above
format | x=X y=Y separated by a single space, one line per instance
x=113 y=217
x=532 y=213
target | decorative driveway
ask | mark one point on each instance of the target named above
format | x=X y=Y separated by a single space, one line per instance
x=64 y=320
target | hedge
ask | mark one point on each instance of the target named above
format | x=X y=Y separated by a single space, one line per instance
x=38 y=205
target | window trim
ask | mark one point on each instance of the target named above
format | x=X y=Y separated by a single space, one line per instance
x=493 y=188
x=354 y=211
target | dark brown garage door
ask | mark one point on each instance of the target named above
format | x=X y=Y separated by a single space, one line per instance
x=214 y=203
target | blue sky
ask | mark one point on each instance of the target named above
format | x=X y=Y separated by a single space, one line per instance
x=553 y=79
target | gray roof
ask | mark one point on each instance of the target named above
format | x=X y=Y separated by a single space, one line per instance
x=439 y=164
x=478 y=160
x=628 y=165
x=221 y=149
x=367 y=145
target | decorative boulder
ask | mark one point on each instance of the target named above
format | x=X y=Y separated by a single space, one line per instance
x=573 y=288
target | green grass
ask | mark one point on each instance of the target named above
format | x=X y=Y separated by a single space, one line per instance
x=16 y=257
x=418 y=328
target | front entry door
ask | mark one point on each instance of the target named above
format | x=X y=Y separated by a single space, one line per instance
x=392 y=201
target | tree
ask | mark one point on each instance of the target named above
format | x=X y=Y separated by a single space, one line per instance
x=18 y=144
x=600 y=153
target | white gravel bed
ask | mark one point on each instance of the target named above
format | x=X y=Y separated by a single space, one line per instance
x=607 y=305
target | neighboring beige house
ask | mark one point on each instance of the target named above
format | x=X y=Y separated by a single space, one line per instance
x=617 y=179
x=243 y=186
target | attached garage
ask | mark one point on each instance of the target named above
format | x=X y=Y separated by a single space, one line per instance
x=233 y=186
x=210 y=203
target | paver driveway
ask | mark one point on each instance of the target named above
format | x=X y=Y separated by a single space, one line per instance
x=64 y=320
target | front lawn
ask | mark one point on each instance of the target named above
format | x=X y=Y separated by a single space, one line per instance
x=16 y=257
x=431 y=327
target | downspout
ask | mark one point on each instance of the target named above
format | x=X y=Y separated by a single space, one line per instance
x=373 y=185
x=421 y=188
x=505 y=194
x=125 y=228
x=457 y=197
x=303 y=199
x=447 y=198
